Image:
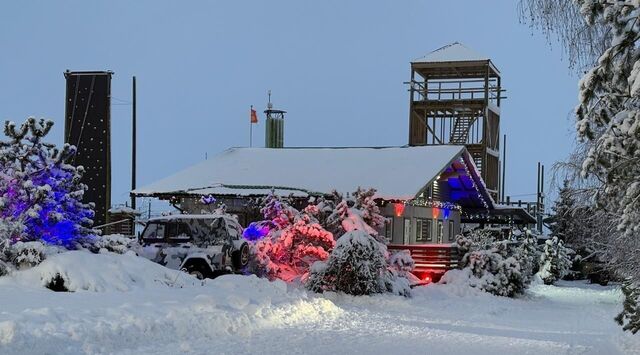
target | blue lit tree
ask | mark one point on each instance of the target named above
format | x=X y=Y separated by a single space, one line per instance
x=40 y=193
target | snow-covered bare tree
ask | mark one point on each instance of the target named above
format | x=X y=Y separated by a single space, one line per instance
x=40 y=193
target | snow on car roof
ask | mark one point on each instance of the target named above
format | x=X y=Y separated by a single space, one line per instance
x=188 y=216
x=396 y=172
x=454 y=52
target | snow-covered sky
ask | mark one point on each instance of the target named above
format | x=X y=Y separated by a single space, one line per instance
x=336 y=66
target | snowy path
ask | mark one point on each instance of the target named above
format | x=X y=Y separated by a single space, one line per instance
x=266 y=318
x=571 y=319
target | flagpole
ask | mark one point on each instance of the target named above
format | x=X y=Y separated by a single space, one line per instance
x=251 y=130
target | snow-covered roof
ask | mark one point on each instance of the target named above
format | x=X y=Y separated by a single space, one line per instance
x=396 y=172
x=454 y=52
x=123 y=209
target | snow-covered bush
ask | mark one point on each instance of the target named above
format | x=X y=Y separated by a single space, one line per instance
x=40 y=193
x=23 y=255
x=502 y=268
x=356 y=266
x=402 y=262
x=495 y=273
x=294 y=243
x=528 y=255
x=115 y=243
x=554 y=262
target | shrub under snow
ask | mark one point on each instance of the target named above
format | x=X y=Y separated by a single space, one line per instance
x=115 y=243
x=501 y=268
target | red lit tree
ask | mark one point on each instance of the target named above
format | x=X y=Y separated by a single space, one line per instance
x=296 y=240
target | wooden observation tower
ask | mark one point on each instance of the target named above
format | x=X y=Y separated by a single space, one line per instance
x=455 y=98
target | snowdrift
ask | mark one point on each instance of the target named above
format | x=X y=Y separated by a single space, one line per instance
x=218 y=312
x=82 y=270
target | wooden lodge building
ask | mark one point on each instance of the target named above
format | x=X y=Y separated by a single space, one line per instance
x=448 y=175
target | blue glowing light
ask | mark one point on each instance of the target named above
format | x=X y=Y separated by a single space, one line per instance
x=255 y=231
x=52 y=214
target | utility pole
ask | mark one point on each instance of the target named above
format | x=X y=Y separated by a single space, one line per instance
x=133 y=145
x=504 y=164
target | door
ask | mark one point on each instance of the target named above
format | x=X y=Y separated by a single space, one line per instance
x=439 y=231
x=407 y=231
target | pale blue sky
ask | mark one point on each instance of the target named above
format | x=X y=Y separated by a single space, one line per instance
x=336 y=66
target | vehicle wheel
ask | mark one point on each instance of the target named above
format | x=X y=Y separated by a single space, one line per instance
x=196 y=270
x=240 y=258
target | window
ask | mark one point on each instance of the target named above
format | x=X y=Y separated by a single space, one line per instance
x=439 y=230
x=388 y=228
x=153 y=232
x=423 y=229
x=451 y=231
x=178 y=232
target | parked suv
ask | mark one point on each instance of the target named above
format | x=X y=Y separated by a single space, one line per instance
x=201 y=245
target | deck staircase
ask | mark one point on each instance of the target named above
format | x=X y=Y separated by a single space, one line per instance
x=460 y=130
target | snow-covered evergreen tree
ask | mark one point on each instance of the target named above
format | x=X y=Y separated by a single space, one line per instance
x=356 y=266
x=357 y=213
x=360 y=263
x=528 y=255
x=40 y=193
x=629 y=318
x=561 y=225
x=554 y=262
x=295 y=241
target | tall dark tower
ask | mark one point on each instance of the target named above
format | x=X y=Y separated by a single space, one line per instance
x=88 y=127
x=455 y=98
x=274 y=133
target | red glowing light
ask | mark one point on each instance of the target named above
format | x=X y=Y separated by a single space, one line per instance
x=399 y=208
x=436 y=213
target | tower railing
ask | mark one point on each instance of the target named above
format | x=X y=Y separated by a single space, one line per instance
x=461 y=89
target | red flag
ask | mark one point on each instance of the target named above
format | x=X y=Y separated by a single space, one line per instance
x=254 y=116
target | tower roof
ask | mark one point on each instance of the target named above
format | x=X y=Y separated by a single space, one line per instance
x=454 y=52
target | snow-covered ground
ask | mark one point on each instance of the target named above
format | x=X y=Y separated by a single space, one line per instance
x=172 y=313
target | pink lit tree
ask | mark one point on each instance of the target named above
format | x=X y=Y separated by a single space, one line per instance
x=295 y=241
